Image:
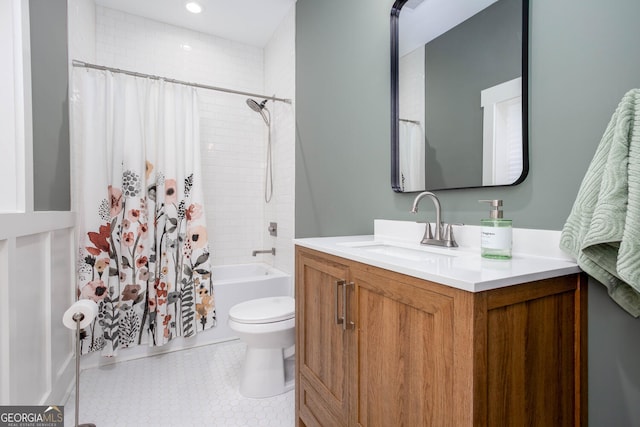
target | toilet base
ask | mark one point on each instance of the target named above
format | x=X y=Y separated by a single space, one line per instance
x=265 y=373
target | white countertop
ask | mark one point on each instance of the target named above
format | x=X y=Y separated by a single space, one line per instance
x=461 y=267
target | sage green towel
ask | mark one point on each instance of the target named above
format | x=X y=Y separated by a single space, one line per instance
x=603 y=228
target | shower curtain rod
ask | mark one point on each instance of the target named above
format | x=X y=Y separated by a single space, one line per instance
x=77 y=63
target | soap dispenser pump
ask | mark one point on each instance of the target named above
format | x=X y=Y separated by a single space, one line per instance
x=495 y=241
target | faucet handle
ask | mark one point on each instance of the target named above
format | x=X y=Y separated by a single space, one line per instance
x=427 y=232
x=447 y=231
x=428 y=235
x=447 y=235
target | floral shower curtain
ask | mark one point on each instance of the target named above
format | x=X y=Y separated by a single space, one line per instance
x=142 y=238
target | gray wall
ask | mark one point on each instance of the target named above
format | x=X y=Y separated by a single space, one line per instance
x=481 y=52
x=49 y=77
x=584 y=57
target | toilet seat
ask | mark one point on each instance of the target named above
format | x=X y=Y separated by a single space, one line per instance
x=263 y=310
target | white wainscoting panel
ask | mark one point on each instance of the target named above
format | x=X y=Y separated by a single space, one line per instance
x=62 y=296
x=36 y=287
x=5 y=327
x=28 y=313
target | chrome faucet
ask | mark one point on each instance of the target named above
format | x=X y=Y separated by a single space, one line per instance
x=441 y=229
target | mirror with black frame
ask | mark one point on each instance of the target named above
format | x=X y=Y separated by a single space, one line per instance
x=458 y=94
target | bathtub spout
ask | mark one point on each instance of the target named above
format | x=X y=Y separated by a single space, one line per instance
x=271 y=251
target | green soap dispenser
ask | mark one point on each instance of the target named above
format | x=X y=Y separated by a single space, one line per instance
x=495 y=242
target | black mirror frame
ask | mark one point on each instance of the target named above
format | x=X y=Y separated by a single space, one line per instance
x=395 y=98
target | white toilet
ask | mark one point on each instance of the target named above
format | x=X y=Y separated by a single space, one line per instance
x=267 y=326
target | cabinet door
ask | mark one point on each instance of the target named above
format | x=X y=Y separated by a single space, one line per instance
x=322 y=344
x=536 y=353
x=405 y=351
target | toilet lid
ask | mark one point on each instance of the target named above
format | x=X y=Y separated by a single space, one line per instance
x=263 y=310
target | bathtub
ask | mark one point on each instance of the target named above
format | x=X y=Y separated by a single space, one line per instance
x=236 y=283
x=232 y=284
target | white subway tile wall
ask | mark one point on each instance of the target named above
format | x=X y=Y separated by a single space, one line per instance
x=233 y=137
x=280 y=79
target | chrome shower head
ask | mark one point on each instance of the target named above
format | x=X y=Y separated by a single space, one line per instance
x=253 y=104
x=259 y=108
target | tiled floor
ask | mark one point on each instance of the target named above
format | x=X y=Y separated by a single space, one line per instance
x=196 y=387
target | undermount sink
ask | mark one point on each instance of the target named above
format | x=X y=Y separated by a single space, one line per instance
x=417 y=253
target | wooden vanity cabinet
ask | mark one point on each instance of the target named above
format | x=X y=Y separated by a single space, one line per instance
x=378 y=348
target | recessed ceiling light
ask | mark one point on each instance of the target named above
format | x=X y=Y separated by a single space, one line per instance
x=193 y=7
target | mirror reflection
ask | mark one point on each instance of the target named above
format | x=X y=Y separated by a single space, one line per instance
x=459 y=93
